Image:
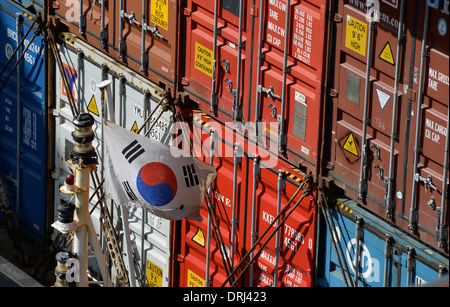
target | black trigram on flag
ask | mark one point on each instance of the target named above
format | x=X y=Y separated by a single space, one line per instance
x=129 y=191
x=132 y=151
x=190 y=176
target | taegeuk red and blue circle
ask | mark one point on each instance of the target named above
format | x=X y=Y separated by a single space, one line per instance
x=157 y=183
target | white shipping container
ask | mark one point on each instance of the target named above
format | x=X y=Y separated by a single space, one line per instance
x=134 y=98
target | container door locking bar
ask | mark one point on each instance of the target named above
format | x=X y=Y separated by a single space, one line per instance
x=427 y=181
x=145 y=27
x=269 y=91
x=413 y=214
x=366 y=120
x=389 y=181
x=131 y=17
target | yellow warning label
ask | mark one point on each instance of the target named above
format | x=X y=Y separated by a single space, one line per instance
x=160 y=13
x=154 y=275
x=135 y=127
x=350 y=145
x=203 y=59
x=356 y=35
x=386 y=54
x=199 y=238
x=93 y=106
x=193 y=280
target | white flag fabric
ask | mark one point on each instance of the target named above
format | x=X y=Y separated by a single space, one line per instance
x=142 y=172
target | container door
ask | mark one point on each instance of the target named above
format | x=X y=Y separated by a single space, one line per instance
x=86 y=68
x=23 y=122
x=289 y=259
x=202 y=264
x=388 y=158
x=147 y=38
x=305 y=60
x=91 y=20
x=286 y=261
x=201 y=57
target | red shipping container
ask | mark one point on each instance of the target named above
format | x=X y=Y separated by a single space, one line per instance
x=254 y=208
x=246 y=71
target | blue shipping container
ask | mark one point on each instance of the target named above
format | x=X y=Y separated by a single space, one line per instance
x=27 y=193
x=398 y=261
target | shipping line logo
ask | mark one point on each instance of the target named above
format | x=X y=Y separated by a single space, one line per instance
x=229 y=141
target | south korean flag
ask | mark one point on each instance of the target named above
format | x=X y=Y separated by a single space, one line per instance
x=142 y=172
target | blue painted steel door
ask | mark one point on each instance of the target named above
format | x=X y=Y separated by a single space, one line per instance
x=30 y=129
x=374 y=268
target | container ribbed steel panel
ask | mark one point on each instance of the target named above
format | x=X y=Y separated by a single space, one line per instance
x=389 y=122
x=247 y=195
x=23 y=121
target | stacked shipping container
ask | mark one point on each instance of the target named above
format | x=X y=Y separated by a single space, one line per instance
x=251 y=190
x=23 y=118
x=354 y=95
x=262 y=62
x=140 y=34
x=390 y=113
x=134 y=98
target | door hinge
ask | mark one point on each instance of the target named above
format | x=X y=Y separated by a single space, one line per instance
x=411 y=94
x=180 y=258
x=337 y=18
x=55 y=112
x=333 y=93
x=187 y=12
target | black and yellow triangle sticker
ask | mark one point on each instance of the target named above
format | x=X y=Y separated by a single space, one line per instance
x=135 y=127
x=350 y=145
x=199 y=237
x=92 y=106
x=387 y=55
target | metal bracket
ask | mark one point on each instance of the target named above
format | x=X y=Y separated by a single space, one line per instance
x=274 y=109
x=359 y=233
x=427 y=181
x=413 y=220
x=103 y=37
x=362 y=190
x=281 y=180
x=82 y=23
x=230 y=84
x=153 y=30
x=270 y=93
x=441 y=230
x=380 y=171
x=388 y=199
x=227 y=65
x=432 y=203
x=377 y=151
x=131 y=17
